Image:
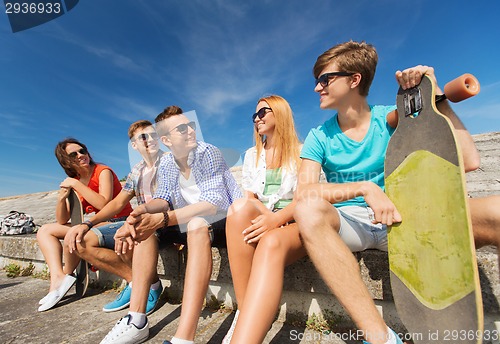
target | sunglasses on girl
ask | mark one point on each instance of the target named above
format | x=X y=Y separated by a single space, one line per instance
x=82 y=151
x=147 y=136
x=324 y=79
x=183 y=128
x=261 y=113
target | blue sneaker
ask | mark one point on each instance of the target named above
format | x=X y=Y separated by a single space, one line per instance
x=398 y=340
x=122 y=301
x=154 y=296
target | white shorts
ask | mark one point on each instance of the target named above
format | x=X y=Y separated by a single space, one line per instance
x=358 y=231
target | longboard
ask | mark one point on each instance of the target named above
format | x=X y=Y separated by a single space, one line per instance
x=76 y=217
x=432 y=258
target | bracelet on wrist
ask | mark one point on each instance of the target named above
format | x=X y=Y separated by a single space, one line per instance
x=88 y=223
x=166 y=218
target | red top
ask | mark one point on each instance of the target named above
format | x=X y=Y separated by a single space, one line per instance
x=94 y=186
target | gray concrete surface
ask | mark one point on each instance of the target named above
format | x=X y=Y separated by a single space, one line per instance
x=76 y=320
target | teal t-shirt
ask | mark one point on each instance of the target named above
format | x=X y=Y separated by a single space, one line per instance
x=344 y=160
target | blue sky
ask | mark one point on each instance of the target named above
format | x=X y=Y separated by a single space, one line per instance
x=93 y=71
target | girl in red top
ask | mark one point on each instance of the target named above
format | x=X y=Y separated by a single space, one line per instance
x=96 y=185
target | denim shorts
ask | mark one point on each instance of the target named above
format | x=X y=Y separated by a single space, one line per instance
x=358 y=231
x=106 y=233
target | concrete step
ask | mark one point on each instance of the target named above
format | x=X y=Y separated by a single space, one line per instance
x=305 y=296
x=81 y=320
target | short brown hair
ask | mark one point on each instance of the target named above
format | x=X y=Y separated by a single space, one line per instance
x=168 y=112
x=353 y=57
x=138 y=125
x=69 y=165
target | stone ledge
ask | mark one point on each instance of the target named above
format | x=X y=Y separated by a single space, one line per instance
x=304 y=291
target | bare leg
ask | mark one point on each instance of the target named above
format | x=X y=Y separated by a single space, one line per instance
x=48 y=237
x=144 y=267
x=198 y=272
x=319 y=224
x=240 y=254
x=276 y=249
x=485 y=214
x=105 y=258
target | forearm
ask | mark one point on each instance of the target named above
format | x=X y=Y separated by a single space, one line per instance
x=331 y=192
x=62 y=211
x=470 y=153
x=95 y=199
x=156 y=205
x=286 y=214
x=112 y=208
x=183 y=215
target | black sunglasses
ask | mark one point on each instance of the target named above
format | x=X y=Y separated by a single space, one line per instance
x=82 y=151
x=183 y=128
x=146 y=136
x=261 y=113
x=324 y=79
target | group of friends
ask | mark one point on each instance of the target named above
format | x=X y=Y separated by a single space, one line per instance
x=280 y=214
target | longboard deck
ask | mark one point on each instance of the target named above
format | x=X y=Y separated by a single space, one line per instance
x=76 y=217
x=432 y=259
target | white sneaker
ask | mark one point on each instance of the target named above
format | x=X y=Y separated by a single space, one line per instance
x=229 y=334
x=54 y=297
x=125 y=333
x=46 y=297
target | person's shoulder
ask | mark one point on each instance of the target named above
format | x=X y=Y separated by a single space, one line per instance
x=251 y=150
x=166 y=158
x=101 y=167
x=139 y=165
x=204 y=148
x=382 y=110
x=323 y=129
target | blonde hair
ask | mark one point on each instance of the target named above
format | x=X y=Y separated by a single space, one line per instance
x=287 y=144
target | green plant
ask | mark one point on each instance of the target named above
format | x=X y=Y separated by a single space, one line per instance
x=28 y=271
x=317 y=323
x=13 y=270
x=44 y=274
x=215 y=304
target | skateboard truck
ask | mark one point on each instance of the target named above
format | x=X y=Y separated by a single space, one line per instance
x=412 y=102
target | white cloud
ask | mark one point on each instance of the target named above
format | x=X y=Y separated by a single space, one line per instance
x=233 y=57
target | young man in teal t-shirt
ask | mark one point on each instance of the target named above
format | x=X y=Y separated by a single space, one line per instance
x=350 y=147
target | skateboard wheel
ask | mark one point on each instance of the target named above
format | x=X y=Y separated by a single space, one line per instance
x=461 y=88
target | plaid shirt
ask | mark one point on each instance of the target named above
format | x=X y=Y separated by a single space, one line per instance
x=210 y=172
x=134 y=179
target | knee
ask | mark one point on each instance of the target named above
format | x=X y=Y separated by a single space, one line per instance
x=81 y=249
x=242 y=210
x=312 y=213
x=197 y=231
x=494 y=210
x=271 y=244
x=85 y=246
x=44 y=231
